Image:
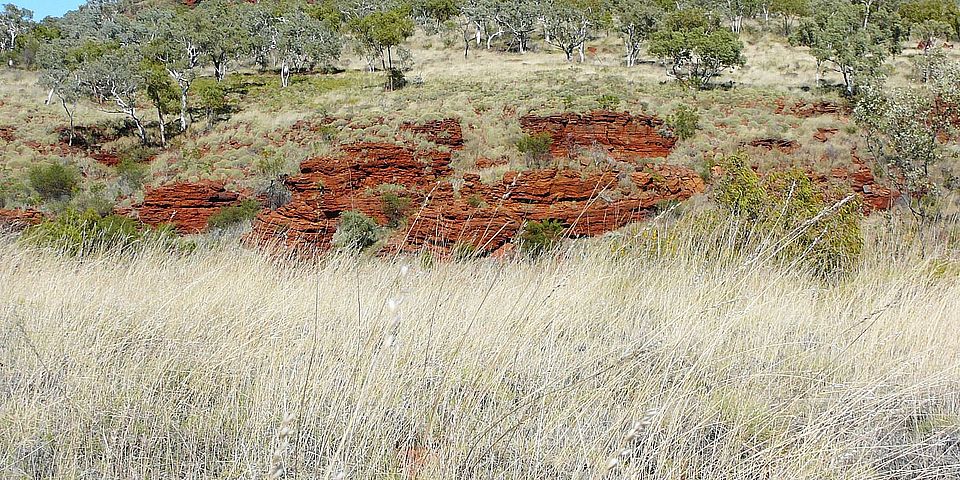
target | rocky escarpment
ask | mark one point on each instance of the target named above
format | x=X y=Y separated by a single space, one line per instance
x=487 y=217
x=444 y=213
x=623 y=135
x=186 y=206
x=329 y=186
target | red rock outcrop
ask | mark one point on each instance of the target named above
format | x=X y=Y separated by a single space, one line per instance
x=785 y=146
x=327 y=187
x=623 y=135
x=486 y=217
x=19 y=219
x=824 y=134
x=861 y=180
x=807 y=110
x=446 y=132
x=7 y=133
x=186 y=206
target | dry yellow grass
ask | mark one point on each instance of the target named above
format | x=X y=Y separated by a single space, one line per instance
x=586 y=366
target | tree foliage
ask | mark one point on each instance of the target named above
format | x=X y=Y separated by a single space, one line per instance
x=840 y=35
x=909 y=132
x=695 y=47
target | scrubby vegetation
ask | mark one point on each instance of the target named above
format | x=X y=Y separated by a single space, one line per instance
x=356 y=232
x=235 y=214
x=77 y=233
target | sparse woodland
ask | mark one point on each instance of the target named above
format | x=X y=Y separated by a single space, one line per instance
x=490 y=239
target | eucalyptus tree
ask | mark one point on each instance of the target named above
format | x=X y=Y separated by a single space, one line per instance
x=909 y=131
x=790 y=11
x=302 y=42
x=380 y=32
x=636 y=22
x=519 y=18
x=116 y=77
x=172 y=45
x=222 y=33
x=839 y=36
x=60 y=72
x=14 y=21
x=568 y=24
x=695 y=47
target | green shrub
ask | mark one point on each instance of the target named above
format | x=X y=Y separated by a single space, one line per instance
x=464 y=251
x=536 y=148
x=271 y=162
x=608 y=102
x=134 y=174
x=96 y=199
x=212 y=98
x=538 y=238
x=234 y=214
x=54 y=181
x=356 y=232
x=78 y=233
x=476 y=201
x=683 y=121
x=12 y=190
x=395 y=208
x=777 y=212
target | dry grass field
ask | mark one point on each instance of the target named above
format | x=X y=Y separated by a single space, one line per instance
x=227 y=363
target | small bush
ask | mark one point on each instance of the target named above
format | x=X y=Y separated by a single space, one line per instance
x=777 y=211
x=234 y=214
x=271 y=162
x=356 y=232
x=12 y=190
x=132 y=171
x=608 y=102
x=538 y=238
x=395 y=207
x=212 y=98
x=54 y=181
x=536 y=148
x=464 y=251
x=476 y=201
x=78 y=233
x=683 y=122
x=395 y=80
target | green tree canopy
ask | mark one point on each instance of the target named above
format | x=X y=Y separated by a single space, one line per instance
x=695 y=47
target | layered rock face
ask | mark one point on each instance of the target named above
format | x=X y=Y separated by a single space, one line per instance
x=807 y=110
x=19 y=219
x=327 y=187
x=186 y=206
x=785 y=146
x=623 y=135
x=487 y=217
x=446 y=213
x=446 y=132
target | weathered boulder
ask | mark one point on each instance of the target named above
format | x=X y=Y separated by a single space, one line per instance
x=861 y=180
